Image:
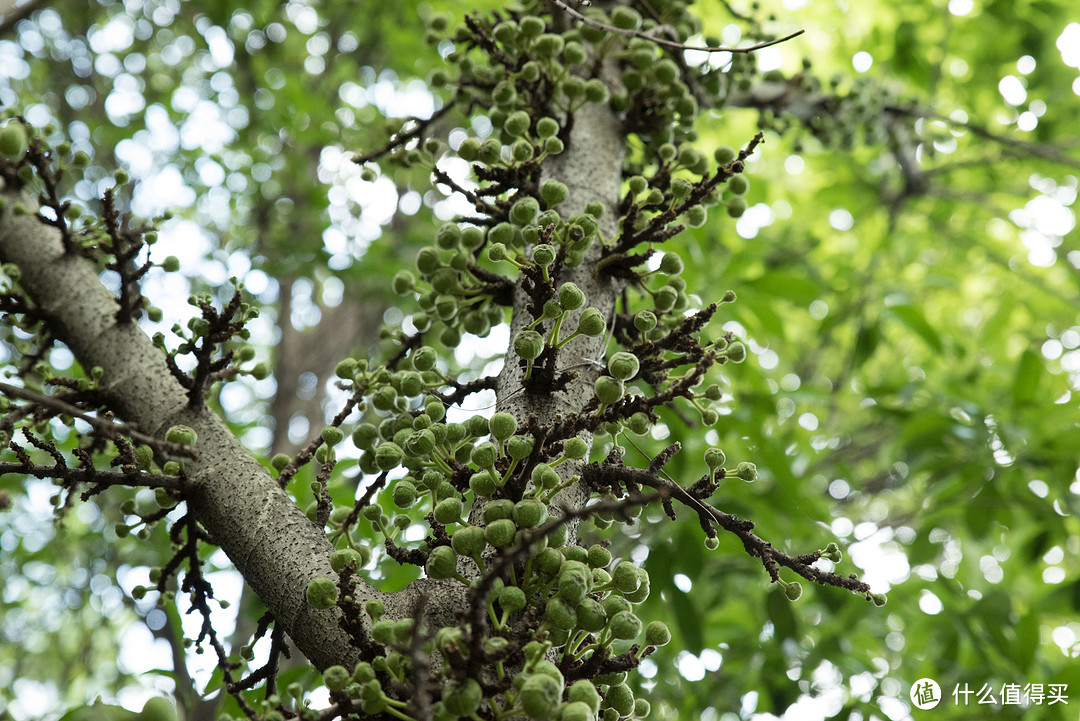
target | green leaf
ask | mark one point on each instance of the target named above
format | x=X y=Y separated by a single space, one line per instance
x=1028 y=378
x=789 y=286
x=914 y=318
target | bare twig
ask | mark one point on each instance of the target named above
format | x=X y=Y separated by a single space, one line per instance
x=109 y=429
x=669 y=43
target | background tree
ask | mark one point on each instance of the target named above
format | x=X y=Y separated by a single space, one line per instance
x=912 y=387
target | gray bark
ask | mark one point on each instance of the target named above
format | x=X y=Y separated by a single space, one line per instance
x=269 y=539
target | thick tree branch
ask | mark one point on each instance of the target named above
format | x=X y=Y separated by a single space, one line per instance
x=271 y=542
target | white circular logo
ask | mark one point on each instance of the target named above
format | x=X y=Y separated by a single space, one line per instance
x=925 y=693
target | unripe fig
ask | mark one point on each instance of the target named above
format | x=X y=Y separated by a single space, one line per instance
x=342 y=557
x=14 y=141
x=639 y=423
x=575 y=448
x=462 y=697
x=336 y=678
x=469 y=149
x=544 y=476
x=531 y=25
x=448 y=510
x=640 y=594
x=548 y=562
x=524 y=210
x=576 y=711
x=497 y=252
x=448 y=236
x=182 y=434
x=793 y=591
x=384 y=632
x=609 y=390
x=665 y=297
x=441 y=562
x=620 y=698
x=625 y=625
x=548 y=45
x=599 y=557
x=157 y=709
x=557 y=538
x=345 y=370
x=570 y=296
x=553 y=192
x=547 y=127
x=666 y=71
x=322 y=593
x=419 y=443
x=596 y=91
x=625 y=18
x=625 y=577
x=520 y=447
x=591 y=616
x=560 y=614
x=512 y=599
x=500 y=533
x=482 y=484
x=746 y=471
x=498 y=510
x=623 y=365
x=468 y=540
x=739 y=185
x=642 y=708
x=375 y=609
x=592 y=322
x=583 y=691
x=502 y=425
x=724 y=154
x=484 y=455
x=544 y=254
x=388 y=455
x=657 y=634
x=573 y=584
x=517 y=123
x=528 y=344
x=332 y=435
x=364 y=435
x=671 y=264
x=696 y=216
x=736 y=206
x=715 y=458
x=427 y=260
x=521 y=150
x=529 y=513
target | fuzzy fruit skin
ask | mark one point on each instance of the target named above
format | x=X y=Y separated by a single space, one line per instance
x=14 y=141
x=184 y=435
x=540 y=696
x=322 y=593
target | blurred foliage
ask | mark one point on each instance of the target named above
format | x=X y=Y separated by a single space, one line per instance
x=916 y=353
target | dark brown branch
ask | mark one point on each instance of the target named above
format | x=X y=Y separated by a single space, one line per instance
x=109 y=429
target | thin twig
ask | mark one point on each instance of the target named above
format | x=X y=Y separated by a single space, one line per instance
x=112 y=430
x=670 y=43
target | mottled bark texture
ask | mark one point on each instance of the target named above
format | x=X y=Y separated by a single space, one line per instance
x=591 y=168
x=269 y=539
